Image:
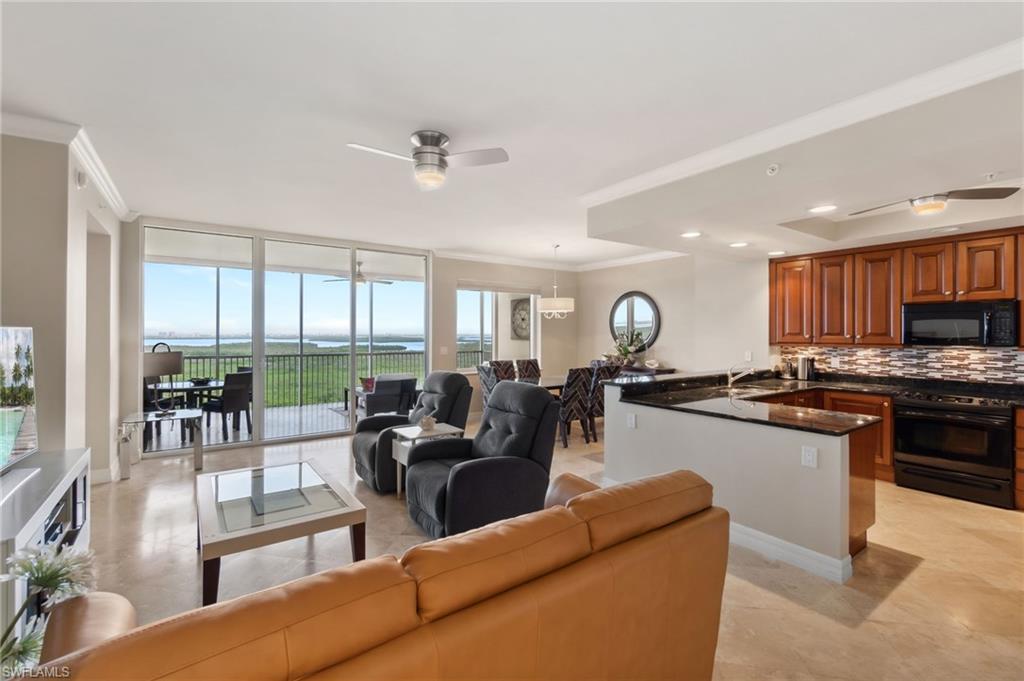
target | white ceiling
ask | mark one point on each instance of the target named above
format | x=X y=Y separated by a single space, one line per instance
x=239 y=113
x=949 y=142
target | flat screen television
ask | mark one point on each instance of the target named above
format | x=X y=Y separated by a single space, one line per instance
x=18 y=435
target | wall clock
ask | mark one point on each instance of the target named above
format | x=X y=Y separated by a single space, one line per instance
x=521 y=319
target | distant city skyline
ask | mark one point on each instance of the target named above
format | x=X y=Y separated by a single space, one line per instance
x=181 y=301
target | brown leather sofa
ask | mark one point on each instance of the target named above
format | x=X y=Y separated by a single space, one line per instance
x=617 y=583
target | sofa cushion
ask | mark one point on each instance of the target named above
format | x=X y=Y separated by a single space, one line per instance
x=285 y=632
x=81 y=622
x=615 y=514
x=467 y=568
x=565 y=487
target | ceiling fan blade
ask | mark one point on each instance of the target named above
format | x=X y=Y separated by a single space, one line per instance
x=983 y=193
x=382 y=152
x=478 y=157
x=868 y=210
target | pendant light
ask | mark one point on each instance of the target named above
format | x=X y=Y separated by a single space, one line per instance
x=555 y=307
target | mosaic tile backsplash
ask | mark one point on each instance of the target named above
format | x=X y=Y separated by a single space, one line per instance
x=995 y=365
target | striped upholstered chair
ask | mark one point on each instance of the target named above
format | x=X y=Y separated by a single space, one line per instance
x=488 y=380
x=504 y=369
x=575 y=403
x=595 y=399
x=528 y=370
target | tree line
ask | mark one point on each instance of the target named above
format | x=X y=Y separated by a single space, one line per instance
x=17 y=389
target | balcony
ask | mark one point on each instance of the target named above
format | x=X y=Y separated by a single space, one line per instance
x=304 y=393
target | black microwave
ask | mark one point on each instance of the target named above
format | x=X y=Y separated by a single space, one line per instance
x=992 y=324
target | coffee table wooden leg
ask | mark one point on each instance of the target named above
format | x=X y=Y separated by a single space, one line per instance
x=357 y=533
x=211 y=578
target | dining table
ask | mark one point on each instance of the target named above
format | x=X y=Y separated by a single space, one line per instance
x=193 y=393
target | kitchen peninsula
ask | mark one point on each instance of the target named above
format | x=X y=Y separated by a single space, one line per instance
x=798 y=481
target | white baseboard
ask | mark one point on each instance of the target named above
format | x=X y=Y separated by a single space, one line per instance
x=98 y=476
x=835 y=569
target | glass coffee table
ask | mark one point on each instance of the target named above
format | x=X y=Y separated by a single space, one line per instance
x=247 y=508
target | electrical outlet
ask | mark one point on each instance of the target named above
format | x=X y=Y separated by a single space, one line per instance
x=809 y=457
x=747 y=356
x=631 y=420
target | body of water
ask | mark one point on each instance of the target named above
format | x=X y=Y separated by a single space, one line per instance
x=410 y=345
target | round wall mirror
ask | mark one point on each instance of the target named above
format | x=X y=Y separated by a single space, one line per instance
x=635 y=311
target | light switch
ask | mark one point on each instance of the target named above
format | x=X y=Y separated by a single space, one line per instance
x=747 y=356
x=631 y=420
x=809 y=457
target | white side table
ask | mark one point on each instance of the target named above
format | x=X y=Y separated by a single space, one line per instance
x=407 y=436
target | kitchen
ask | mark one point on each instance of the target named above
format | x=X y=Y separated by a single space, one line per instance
x=920 y=339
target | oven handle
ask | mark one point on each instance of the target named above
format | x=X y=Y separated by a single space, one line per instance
x=959 y=418
x=986 y=329
x=945 y=476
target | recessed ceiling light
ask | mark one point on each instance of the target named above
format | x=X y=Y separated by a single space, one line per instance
x=776 y=253
x=738 y=244
x=827 y=208
x=690 y=235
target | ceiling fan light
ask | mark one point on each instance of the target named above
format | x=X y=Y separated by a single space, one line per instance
x=928 y=205
x=429 y=176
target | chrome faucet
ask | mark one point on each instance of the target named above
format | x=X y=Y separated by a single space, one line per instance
x=732 y=378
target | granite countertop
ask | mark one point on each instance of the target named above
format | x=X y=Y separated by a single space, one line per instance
x=705 y=393
x=740 y=404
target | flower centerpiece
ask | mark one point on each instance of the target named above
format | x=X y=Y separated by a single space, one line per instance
x=627 y=347
x=53 y=575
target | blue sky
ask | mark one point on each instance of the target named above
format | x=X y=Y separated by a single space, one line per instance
x=182 y=299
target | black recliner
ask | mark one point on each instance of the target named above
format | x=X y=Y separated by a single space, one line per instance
x=445 y=396
x=454 y=485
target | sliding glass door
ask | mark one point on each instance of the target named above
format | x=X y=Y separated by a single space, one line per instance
x=198 y=301
x=307 y=343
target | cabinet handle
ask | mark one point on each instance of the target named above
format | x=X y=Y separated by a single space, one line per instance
x=859 y=336
x=949 y=293
x=960 y=293
x=885 y=404
x=807 y=335
x=847 y=335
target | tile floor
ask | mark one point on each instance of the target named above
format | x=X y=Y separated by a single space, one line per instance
x=938 y=594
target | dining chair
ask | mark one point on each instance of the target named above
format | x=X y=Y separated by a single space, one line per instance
x=595 y=400
x=528 y=370
x=488 y=380
x=234 y=400
x=504 y=369
x=574 y=403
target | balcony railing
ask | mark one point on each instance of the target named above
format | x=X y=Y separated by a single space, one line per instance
x=312 y=378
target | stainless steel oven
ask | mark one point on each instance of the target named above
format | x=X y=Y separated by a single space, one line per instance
x=967 y=323
x=958 y=446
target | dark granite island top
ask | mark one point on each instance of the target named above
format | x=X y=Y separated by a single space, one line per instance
x=740 y=404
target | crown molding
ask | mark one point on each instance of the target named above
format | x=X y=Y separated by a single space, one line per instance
x=630 y=260
x=41 y=129
x=978 y=68
x=81 y=147
x=85 y=153
x=540 y=264
x=500 y=260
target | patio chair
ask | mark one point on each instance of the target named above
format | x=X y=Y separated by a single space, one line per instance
x=233 y=400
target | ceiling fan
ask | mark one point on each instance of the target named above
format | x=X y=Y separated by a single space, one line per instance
x=361 y=278
x=936 y=203
x=431 y=158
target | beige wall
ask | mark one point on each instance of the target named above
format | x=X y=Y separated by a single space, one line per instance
x=46 y=221
x=558 y=336
x=712 y=311
x=34 y=286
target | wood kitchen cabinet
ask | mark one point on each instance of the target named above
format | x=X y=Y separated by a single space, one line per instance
x=878 y=297
x=985 y=269
x=873 y=405
x=832 y=295
x=790 y=302
x=1020 y=291
x=928 y=273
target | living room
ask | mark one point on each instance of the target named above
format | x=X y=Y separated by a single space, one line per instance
x=295 y=308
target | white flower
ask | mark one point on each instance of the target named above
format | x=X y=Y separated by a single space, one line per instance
x=57 y=574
